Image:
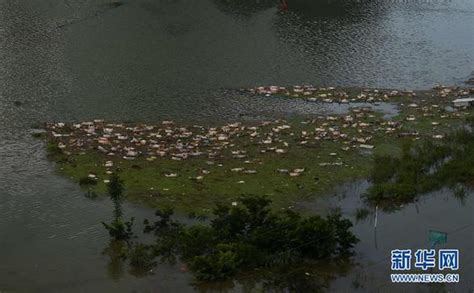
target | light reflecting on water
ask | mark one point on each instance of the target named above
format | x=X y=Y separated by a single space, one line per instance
x=183 y=60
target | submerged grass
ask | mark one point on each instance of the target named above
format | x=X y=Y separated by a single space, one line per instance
x=399 y=167
x=145 y=181
x=423 y=167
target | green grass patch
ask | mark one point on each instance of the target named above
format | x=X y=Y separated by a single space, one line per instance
x=147 y=182
x=399 y=166
x=423 y=166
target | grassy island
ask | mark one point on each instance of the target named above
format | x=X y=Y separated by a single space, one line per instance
x=193 y=167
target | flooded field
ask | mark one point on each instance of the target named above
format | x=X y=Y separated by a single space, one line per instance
x=406 y=228
x=185 y=60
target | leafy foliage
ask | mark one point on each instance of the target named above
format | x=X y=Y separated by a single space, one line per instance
x=118 y=229
x=141 y=258
x=115 y=191
x=249 y=236
x=244 y=236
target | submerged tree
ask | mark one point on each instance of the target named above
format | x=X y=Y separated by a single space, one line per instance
x=245 y=237
x=118 y=229
x=115 y=191
x=117 y=253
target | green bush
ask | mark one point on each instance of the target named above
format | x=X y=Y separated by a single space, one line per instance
x=250 y=236
x=142 y=259
x=120 y=230
x=217 y=266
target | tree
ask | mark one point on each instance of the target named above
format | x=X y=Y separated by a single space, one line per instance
x=246 y=236
x=118 y=229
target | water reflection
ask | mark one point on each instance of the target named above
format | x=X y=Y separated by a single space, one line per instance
x=170 y=59
x=407 y=228
x=286 y=276
x=116 y=260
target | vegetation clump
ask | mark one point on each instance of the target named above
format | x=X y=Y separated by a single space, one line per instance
x=246 y=236
x=53 y=149
x=423 y=167
x=192 y=167
x=119 y=230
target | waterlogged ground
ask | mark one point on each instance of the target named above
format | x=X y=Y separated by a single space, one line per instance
x=192 y=167
x=158 y=60
x=397 y=230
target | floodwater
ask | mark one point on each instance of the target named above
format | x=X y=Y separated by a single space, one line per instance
x=186 y=60
x=406 y=228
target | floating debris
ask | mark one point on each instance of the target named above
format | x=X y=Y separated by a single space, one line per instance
x=366 y=146
x=327 y=95
x=360 y=127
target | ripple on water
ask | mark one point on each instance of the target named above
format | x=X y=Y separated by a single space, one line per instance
x=157 y=60
x=407 y=228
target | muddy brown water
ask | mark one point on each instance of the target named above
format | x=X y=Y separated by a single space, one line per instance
x=185 y=60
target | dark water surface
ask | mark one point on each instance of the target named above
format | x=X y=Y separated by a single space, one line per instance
x=407 y=228
x=184 y=60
